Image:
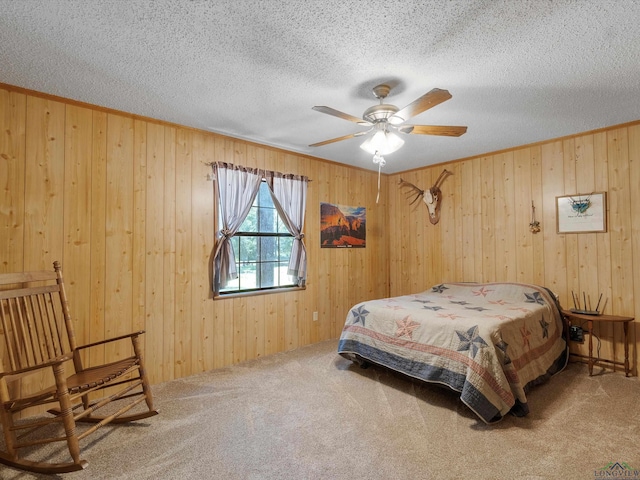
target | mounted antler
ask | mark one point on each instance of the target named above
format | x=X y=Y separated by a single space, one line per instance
x=431 y=197
x=414 y=191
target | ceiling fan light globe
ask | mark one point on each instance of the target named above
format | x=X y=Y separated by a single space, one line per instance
x=383 y=143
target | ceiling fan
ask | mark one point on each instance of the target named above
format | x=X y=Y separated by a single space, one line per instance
x=386 y=119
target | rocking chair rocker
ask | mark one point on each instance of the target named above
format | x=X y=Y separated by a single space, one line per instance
x=39 y=337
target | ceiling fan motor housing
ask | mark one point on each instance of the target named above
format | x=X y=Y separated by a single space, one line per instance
x=379 y=113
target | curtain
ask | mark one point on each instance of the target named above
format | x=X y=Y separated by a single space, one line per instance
x=289 y=194
x=237 y=189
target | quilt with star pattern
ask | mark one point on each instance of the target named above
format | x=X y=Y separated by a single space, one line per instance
x=490 y=342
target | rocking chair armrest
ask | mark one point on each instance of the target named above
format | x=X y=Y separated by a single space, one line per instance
x=22 y=371
x=109 y=340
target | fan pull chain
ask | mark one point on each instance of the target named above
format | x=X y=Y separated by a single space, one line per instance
x=379 y=159
x=378 y=196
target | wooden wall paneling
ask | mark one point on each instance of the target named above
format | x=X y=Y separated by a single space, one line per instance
x=312 y=244
x=169 y=254
x=603 y=241
x=454 y=234
x=119 y=232
x=478 y=205
x=181 y=328
x=152 y=152
x=323 y=272
x=306 y=306
x=355 y=268
x=98 y=263
x=523 y=198
x=13 y=110
x=57 y=156
x=620 y=216
x=44 y=197
x=554 y=244
x=430 y=238
x=279 y=332
x=500 y=209
x=330 y=257
x=382 y=287
x=406 y=238
x=228 y=305
x=367 y=261
x=391 y=231
x=308 y=334
x=239 y=329
x=587 y=246
x=349 y=261
x=76 y=256
x=294 y=302
x=335 y=259
x=416 y=218
x=465 y=204
x=570 y=239
x=505 y=226
x=291 y=320
x=444 y=250
x=154 y=246
x=383 y=281
x=538 y=274
x=218 y=320
x=361 y=268
x=375 y=266
x=44 y=183
x=139 y=252
x=269 y=316
x=346 y=260
x=487 y=200
x=284 y=324
x=424 y=238
x=572 y=262
x=401 y=236
x=239 y=151
x=634 y=179
x=255 y=327
x=202 y=243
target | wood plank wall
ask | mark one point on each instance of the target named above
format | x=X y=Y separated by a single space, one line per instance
x=124 y=203
x=484 y=236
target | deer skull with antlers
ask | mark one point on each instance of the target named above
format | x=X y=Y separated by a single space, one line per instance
x=431 y=197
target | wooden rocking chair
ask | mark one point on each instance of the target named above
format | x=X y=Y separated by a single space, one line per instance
x=38 y=336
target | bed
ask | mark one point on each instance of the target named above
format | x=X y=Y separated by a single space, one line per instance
x=490 y=342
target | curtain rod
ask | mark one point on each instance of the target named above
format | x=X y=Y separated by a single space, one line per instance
x=211 y=177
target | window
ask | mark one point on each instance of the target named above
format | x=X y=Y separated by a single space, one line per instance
x=252 y=243
x=262 y=248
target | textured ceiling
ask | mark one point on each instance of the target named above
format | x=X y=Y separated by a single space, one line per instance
x=520 y=71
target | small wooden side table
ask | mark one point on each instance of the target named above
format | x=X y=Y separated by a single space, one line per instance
x=569 y=315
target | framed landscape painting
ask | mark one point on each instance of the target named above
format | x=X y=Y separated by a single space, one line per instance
x=342 y=226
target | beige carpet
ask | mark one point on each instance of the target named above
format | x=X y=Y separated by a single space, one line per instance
x=310 y=414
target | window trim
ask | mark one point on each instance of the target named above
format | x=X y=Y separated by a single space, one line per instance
x=252 y=293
